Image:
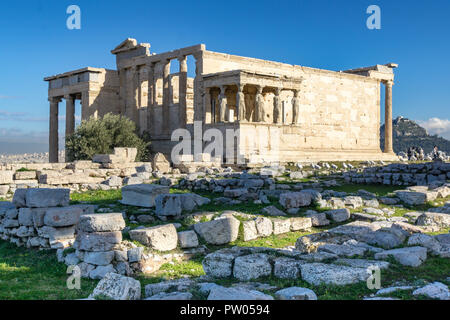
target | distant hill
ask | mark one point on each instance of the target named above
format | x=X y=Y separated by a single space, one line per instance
x=408 y=133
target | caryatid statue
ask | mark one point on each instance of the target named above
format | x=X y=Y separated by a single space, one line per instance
x=277 y=109
x=222 y=104
x=240 y=103
x=259 y=102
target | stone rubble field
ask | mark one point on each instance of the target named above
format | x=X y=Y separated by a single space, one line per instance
x=277 y=232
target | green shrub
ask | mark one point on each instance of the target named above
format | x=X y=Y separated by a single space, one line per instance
x=102 y=135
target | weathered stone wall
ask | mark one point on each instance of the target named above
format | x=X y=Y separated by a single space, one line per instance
x=338 y=112
x=41 y=218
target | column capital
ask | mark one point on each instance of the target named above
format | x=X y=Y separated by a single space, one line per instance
x=259 y=88
x=278 y=91
x=69 y=97
x=388 y=83
x=240 y=86
x=296 y=92
x=54 y=99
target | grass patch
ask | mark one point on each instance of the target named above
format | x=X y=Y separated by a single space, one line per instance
x=96 y=196
x=32 y=274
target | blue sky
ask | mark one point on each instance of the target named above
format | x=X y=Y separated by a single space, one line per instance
x=323 y=34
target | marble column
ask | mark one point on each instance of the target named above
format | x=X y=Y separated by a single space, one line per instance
x=198 y=86
x=70 y=114
x=240 y=103
x=388 y=141
x=222 y=104
x=182 y=92
x=277 y=109
x=150 y=96
x=295 y=107
x=135 y=91
x=259 y=105
x=166 y=97
x=53 y=130
x=207 y=103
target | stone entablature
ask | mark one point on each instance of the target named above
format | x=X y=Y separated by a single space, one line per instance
x=333 y=110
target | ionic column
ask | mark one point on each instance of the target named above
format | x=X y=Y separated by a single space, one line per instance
x=388 y=142
x=198 y=83
x=259 y=105
x=295 y=107
x=150 y=96
x=277 y=107
x=70 y=115
x=53 y=130
x=166 y=97
x=182 y=89
x=240 y=103
x=135 y=92
x=222 y=104
x=207 y=103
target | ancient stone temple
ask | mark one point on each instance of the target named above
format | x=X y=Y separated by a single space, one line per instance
x=279 y=112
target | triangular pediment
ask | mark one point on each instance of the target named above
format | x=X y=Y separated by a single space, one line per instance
x=128 y=43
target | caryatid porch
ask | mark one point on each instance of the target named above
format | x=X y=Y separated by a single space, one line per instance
x=244 y=96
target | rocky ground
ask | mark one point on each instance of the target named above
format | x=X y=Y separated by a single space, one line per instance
x=273 y=234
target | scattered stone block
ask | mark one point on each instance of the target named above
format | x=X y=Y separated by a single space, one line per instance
x=319 y=273
x=142 y=195
x=160 y=163
x=249 y=230
x=252 y=267
x=99 y=258
x=338 y=215
x=435 y=290
x=117 y=287
x=301 y=224
x=287 y=268
x=62 y=217
x=264 y=226
x=187 y=239
x=409 y=256
x=296 y=293
x=98 y=241
x=295 y=199
x=162 y=238
x=101 y=271
x=101 y=222
x=412 y=198
x=219 y=231
x=43 y=197
x=219 y=264
x=281 y=226
x=441 y=220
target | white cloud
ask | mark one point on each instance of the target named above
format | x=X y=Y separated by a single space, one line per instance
x=437 y=126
